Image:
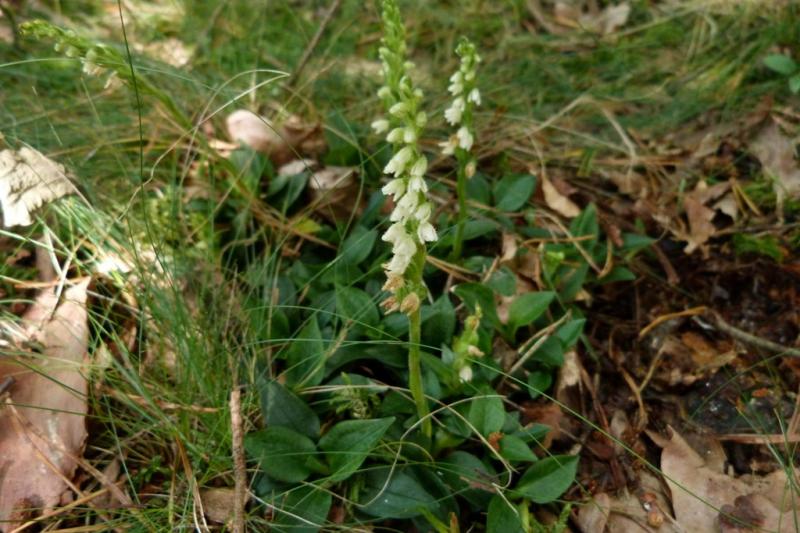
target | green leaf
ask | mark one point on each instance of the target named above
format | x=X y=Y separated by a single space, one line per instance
x=528 y=307
x=513 y=191
x=348 y=443
x=305 y=510
x=402 y=497
x=357 y=246
x=550 y=353
x=438 y=322
x=478 y=189
x=464 y=473
x=618 y=273
x=502 y=517
x=781 y=64
x=584 y=225
x=281 y=407
x=356 y=305
x=487 y=413
x=794 y=83
x=570 y=332
x=306 y=356
x=548 y=479
x=282 y=453
x=477 y=294
x=515 y=449
x=538 y=383
x=503 y=281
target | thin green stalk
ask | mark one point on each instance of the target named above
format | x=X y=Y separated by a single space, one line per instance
x=414 y=344
x=415 y=370
x=461 y=191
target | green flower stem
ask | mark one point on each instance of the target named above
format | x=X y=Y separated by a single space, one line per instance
x=414 y=344
x=461 y=192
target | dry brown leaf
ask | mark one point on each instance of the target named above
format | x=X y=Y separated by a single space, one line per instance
x=700 y=492
x=776 y=153
x=258 y=133
x=28 y=179
x=335 y=192
x=218 y=504
x=557 y=201
x=607 y=21
x=41 y=437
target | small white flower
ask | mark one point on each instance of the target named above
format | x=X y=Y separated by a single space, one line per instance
x=395 y=136
x=409 y=135
x=465 y=374
x=426 y=232
x=475 y=96
x=421 y=119
x=449 y=146
x=395 y=187
x=423 y=212
x=457 y=77
x=471 y=168
x=465 y=138
x=409 y=202
x=469 y=75
x=398 y=264
x=380 y=125
x=384 y=92
x=398 y=109
x=453 y=113
x=404 y=245
x=418 y=93
x=398 y=163
x=417 y=184
x=395 y=232
x=456 y=88
x=420 y=167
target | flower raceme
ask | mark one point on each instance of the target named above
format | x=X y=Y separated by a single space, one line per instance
x=466 y=97
x=411 y=227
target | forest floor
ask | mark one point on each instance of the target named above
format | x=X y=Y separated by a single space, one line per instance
x=638 y=179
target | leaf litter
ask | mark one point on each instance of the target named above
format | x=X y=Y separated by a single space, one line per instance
x=42 y=428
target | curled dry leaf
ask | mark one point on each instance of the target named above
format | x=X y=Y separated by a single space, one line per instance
x=607 y=21
x=42 y=429
x=335 y=192
x=28 y=179
x=218 y=504
x=258 y=133
x=557 y=201
x=706 y=499
x=776 y=152
x=281 y=143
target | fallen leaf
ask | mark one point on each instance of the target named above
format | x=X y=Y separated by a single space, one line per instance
x=28 y=179
x=218 y=504
x=335 y=192
x=700 y=492
x=258 y=133
x=607 y=21
x=776 y=153
x=43 y=432
x=557 y=201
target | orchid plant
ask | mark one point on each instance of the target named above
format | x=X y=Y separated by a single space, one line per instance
x=466 y=97
x=411 y=228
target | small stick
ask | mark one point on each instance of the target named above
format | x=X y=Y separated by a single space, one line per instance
x=239 y=467
x=749 y=338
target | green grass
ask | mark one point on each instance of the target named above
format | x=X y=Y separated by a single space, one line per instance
x=205 y=318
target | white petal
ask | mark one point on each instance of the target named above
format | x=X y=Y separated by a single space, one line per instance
x=395 y=187
x=426 y=232
x=420 y=166
x=475 y=96
x=395 y=136
x=417 y=184
x=398 y=109
x=409 y=135
x=380 y=125
x=465 y=138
